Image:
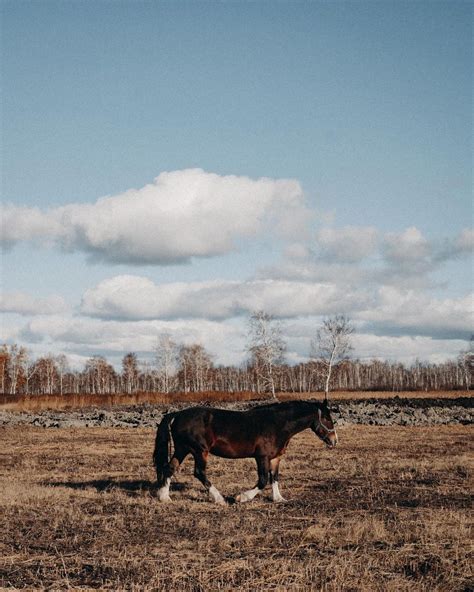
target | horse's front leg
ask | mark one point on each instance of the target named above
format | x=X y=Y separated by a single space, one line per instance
x=263 y=468
x=274 y=468
x=200 y=464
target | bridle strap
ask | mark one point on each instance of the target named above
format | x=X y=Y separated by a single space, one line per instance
x=321 y=425
x=325 y=429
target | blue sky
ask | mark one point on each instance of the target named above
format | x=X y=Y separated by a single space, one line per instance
x=366 y=106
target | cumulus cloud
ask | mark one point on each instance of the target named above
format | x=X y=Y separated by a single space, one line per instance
x=399 y=311
x=348 y=244
x=355 y=256
x=406 y=246
x=25 y=304
x=182 y=214
x=136 y=297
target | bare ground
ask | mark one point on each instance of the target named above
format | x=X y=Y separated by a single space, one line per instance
x=387 y=510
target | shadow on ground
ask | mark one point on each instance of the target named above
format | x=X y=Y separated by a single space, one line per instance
x=101 y=485
x=129 y=487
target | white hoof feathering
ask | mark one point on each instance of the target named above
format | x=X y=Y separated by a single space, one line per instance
x=247 y=496
x=164 y=492
x=215 y=496
x=277 y=497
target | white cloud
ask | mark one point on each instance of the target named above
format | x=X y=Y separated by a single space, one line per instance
x=360 y=256
x=406 y=246
x=461 y=245
x=405 y=348
x=410 y=312
x=22 y=223
x=85 y=336
x=182 y=214
x=465 y=241
x=348 y=244
x=136 y=297
x=25 y=304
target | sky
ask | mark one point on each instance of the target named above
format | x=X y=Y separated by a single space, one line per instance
x=172 y=167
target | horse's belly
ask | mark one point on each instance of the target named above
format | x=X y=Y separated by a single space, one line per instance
x=231 y=450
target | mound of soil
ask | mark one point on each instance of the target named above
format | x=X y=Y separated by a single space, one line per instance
x=383 y=412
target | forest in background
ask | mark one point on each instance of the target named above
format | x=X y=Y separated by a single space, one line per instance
x=189 y=368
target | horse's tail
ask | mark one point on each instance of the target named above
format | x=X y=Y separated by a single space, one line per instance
x=161 y=454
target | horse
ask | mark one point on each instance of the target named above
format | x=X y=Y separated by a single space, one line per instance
x=262 y=433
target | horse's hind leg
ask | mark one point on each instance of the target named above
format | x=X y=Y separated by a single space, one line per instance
x=263 y=468
x=274 y=467
x=165 y=475
x=200 y=464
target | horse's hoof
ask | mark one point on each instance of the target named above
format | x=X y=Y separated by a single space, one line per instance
x=280 y=500
x=220 y=501
x=242 y=498
x=164 y=499
x=215 y=496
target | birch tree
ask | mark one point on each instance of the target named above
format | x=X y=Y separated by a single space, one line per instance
x=332 y=345
x=130 y=372
x=466 y=362
x=17 y=361
x=266 y=347
x=166 y=356
x=195 y=363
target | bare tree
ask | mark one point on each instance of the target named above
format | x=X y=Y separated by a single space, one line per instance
x=266 y=347
x=166 y=352
x=332 y=345
x=130 y=372
x=195 y=364
x=62 y=367
x=466 y=362
x=99 y=375
x=17 y=361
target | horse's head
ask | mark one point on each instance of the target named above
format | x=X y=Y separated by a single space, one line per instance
x=323 y=426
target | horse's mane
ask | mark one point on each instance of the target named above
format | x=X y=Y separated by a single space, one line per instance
x=286 y=405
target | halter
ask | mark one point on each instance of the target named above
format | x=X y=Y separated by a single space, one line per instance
x=321 y=425
x=325 y=429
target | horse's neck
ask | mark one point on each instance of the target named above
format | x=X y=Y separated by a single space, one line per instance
x=301 y=418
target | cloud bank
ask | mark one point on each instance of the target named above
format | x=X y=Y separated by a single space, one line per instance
x=386 y=309
x=25 y=304
x=182 y=214
x=363 y=256
x=137 y=298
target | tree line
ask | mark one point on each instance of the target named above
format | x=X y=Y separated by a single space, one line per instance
x=190 y=368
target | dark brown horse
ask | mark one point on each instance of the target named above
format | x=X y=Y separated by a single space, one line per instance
x=262 y=433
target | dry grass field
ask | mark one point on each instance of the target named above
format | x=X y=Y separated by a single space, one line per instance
x=76 y=401
x=387 y=510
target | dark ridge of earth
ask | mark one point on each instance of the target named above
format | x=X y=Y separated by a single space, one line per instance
x=381 y=412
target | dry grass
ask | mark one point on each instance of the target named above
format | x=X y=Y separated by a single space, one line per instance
x=76 y=401
x=388 y=510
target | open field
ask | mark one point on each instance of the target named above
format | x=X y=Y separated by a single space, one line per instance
x=387 y=510
x=75 y=401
